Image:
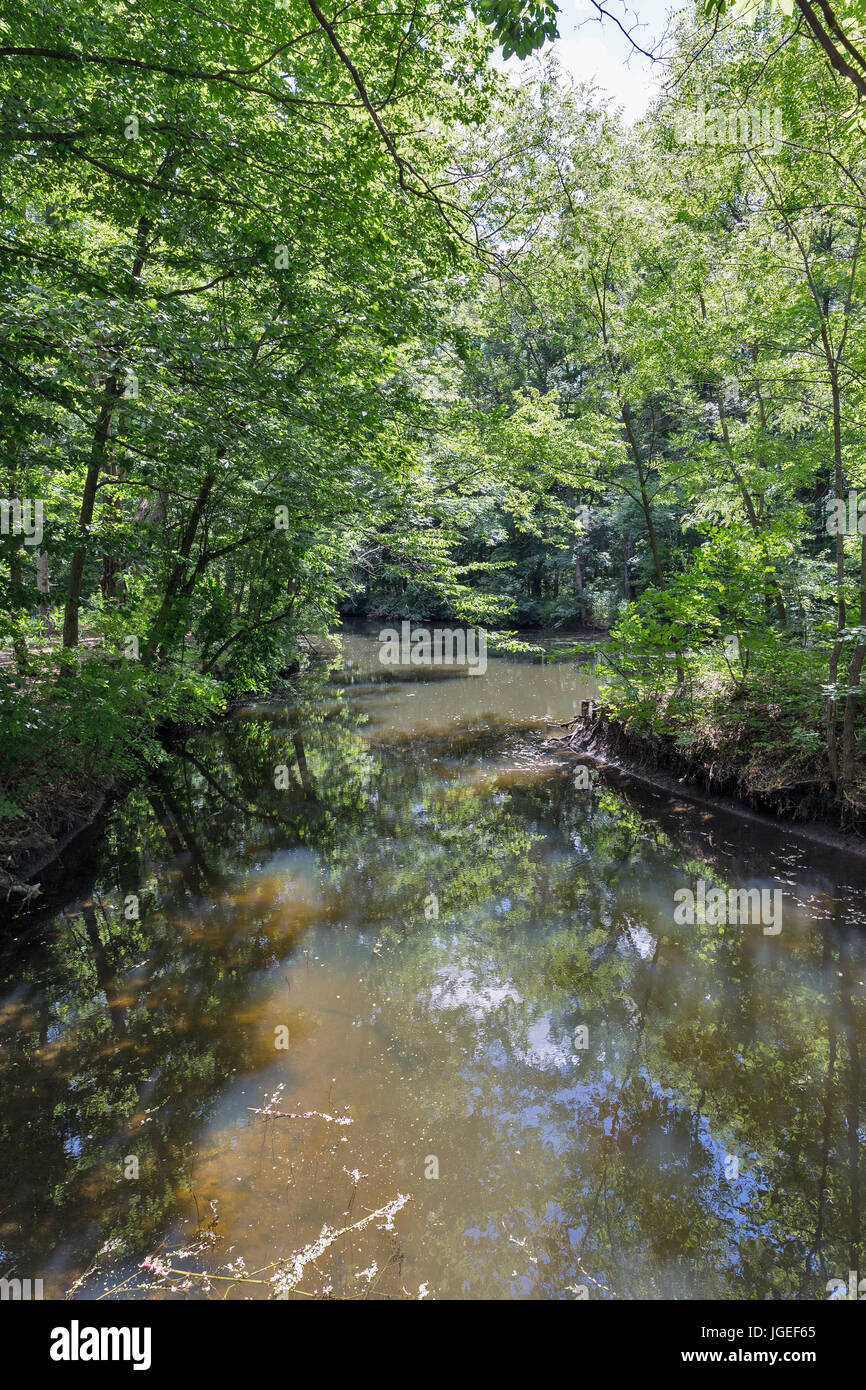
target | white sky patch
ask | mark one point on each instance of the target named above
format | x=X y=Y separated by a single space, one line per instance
x=642 y=941
x=588 y=60
x=601 y=56
x=544 y=1051
x=458 y=988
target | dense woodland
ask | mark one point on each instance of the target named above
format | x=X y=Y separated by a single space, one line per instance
x=316 y=316
x=313 y=313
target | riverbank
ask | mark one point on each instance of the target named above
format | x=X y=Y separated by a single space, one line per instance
x=102 y=725
x=51 y=823
x=59 y=812
x=781 y=795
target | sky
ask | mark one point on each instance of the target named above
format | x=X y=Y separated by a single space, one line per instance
x=601 y=54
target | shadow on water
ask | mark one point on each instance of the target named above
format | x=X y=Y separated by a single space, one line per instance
x=456 y=970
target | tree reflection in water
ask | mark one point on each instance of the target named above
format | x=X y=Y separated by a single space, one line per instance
x=431 y=919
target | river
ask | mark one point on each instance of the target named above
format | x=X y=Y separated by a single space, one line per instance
x=442 y=957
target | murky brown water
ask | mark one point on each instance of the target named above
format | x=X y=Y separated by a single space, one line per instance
x=398 y=951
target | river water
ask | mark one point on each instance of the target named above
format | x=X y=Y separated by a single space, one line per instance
x=443 y=958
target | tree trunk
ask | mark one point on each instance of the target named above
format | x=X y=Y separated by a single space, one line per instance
x=43 y=583
x=650 y=524
x=836 y=653
x=852 y=699
x=165 y=619
x=771 y=585
x=579 y=586
x=628 y=587
x=16 y=586
x=101 y=435
x=112 y=584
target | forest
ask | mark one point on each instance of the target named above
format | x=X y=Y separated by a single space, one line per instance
x=304 y=319
x=321 y=317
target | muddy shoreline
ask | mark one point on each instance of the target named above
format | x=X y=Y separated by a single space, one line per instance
x=803 y=809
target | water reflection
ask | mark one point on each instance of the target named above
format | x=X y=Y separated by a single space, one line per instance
x=475 y=962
